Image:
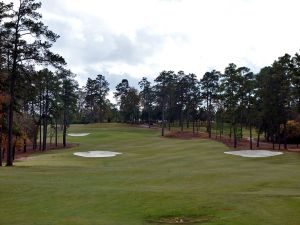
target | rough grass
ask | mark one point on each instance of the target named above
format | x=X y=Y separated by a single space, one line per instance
x=155 y=178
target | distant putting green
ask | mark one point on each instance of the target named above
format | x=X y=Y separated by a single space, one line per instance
x=155 y=181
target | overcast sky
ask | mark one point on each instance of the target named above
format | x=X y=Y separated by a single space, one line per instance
x=135 y=38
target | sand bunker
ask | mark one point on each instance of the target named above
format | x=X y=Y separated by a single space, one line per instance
x=254 y=153
x=78 y=134
x=97 y=154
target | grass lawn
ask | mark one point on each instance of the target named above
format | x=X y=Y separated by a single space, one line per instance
x=154 y=178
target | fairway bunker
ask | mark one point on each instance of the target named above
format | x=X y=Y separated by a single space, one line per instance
x=97 y=154
x=78 y=134
x=254 y=153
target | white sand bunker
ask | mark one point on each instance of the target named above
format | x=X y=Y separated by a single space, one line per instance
x=97 y=154
x=78 y=134
x=254 y=153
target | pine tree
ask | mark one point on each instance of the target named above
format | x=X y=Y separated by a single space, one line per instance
x=27 y=21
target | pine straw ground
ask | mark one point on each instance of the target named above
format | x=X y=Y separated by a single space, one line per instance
x=21 y=155
x=243 y=144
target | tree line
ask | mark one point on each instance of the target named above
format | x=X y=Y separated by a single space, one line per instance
x=31 y=100
x=39 y=97
x=224 y=102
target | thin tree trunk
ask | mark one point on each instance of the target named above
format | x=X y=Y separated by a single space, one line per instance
x=149 y=120
x=40 y=136
x=45 y=130
x=13 y=77
x=45 y=124
x=285 y=137
x=51 y=135
x=209 y=127
x=241 y=130
x=65 y=131
x=25 y=145
x=40 y=122
x=258 y=139
x=217 y=128
x=1 y=127
x=193 y=126
x=14 y=151
x=35 y=139
x=163 y=122
x=56 y=133
x=234 y=136
x=3 y=153
x=181 y=120
x=251 y=144
x=279 y=140
x=221 y=129
x=10 y=150
x=0 y=145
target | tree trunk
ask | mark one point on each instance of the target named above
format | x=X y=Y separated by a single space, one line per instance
x=217 y=128
x=234 y=136
x=14 y=152
x=40 y=135
x=241 y=130
x=209 y=127
x=285 y=137
x=65 y=131
x=35 y=137
x=251 y=144
x=279 y=139
x=25 y=145
x=40 y=122
x=45 y=131
x=3 y=153
x=45 y=124
x=181 y=120
x=149 y=120
x=10 y=156
x=258 y=139
x=1 y=127
x=55 y=133
x=221 y=129
x=12 y=82
x=51 y=136
x=163 y=122
x=0 y=145
x=193 y=126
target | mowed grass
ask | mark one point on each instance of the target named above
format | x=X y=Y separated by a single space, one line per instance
x=153 y=178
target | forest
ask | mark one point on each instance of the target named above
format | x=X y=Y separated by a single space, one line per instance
x=40 y=97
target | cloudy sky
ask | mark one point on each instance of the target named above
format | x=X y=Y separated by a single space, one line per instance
x=135 y=38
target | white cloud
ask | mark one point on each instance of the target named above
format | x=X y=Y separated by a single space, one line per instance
x=142 y=38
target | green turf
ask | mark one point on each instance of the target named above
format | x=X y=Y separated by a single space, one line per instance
x=154 y=178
